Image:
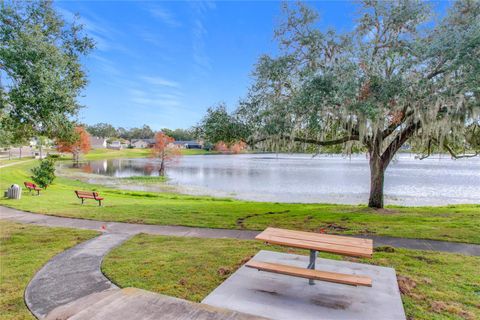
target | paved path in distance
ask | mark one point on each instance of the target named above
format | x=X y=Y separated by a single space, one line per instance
x=132 y=228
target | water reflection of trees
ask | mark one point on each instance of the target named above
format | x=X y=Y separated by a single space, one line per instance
x=87 y=168
x=121 y=167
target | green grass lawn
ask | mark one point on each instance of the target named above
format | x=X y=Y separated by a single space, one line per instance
x=435 y=285
x=453 y=223
x=24 y=250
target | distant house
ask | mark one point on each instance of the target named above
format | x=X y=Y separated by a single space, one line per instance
x=187 y=144
x=117 y=145
x=142 y=143
x=98 y=143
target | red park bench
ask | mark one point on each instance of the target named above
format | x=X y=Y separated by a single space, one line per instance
x=89 y=195
x=32 y=186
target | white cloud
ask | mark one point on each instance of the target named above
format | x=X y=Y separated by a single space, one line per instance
x=159 y=81
x=107 y=66
x=156 y=93
x=96 y=28
x=164 y=103
x=199 y=32
x=165 y=16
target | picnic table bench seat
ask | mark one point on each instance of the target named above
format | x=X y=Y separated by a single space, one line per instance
x=89 y=195
x=352 y=280
x=32 y=186
x=315 y=242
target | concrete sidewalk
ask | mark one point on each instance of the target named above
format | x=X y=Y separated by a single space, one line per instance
x=72 y=286
x=71 y=275
x=132 y=228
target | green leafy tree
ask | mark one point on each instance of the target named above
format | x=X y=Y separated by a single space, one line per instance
x=40 y=68
x=102 y=130
x=398 y=77
x=179 y=134
x=123 y=133
x=219 y=126
x=144 y=132
x=44 y=174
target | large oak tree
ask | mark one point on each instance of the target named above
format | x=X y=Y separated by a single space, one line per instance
x=399 y=76
x=41 y=74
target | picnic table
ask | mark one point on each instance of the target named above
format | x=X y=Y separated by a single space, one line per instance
x=315 y=242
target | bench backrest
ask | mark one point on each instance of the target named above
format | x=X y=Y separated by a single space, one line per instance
x=30 y=185
x=86 y=194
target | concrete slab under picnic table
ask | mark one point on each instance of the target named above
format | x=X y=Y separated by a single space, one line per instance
x=277 y=296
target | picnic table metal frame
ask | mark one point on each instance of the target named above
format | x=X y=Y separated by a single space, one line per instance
x=311 y=265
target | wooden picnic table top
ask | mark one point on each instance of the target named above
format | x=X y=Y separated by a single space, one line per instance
x=347 y=246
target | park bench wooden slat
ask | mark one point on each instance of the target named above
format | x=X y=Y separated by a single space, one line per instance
x=89 y=195
x=318 y=246
x=353 y=280
x=322 y=238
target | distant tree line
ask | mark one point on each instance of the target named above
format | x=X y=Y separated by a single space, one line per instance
x=106 y=130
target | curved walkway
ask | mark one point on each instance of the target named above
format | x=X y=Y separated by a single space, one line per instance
x=132 y=228
x=71 y=275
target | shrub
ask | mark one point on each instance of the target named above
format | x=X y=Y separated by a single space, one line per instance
x=44 y=174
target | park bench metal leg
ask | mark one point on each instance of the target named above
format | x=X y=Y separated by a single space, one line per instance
x=311 y=265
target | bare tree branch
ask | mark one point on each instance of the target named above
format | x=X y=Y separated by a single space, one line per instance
x=457 y=156
x=399 y=140
x=351 y=137
x=391 y=128
x=325 y=142
x=429 y=151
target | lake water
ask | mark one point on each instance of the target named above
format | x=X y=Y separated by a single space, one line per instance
x=303 y=178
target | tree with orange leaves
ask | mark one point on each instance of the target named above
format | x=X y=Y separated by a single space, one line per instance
x=164 y=150
x=234 y=148
x=80 y=143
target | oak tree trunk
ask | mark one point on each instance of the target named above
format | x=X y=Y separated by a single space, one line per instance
x=377 y=169
x=377 y=175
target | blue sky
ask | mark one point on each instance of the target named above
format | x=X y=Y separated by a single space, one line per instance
x=164 y=63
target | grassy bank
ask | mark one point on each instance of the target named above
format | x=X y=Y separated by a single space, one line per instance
x=453 y=223
x=23 y=251
x=434 y=285
x=100 y=154
x=145 y=179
